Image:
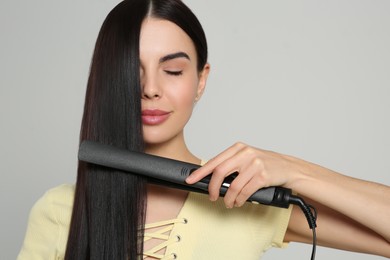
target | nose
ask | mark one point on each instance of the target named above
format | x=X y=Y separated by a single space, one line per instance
x=150 y=87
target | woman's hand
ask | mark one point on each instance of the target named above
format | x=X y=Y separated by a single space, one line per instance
x=256 y=169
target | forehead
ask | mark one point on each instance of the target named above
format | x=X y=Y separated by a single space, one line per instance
x=160 y=37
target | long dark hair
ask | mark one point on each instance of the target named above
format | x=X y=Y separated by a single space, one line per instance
x=110 y=206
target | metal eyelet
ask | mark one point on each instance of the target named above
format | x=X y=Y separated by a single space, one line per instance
x=174 y=256
x=185 y=221
x=178 y=238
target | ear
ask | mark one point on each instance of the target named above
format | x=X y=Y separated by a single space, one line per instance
x=203 y=75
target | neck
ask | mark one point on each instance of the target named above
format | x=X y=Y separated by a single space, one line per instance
x=175 y=148
x=162 y=200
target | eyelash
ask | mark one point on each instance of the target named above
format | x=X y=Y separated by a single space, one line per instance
x=174 y=73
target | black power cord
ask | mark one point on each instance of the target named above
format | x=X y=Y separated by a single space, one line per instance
x=311 y=216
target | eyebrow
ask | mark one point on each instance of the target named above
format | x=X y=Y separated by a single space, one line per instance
x=174 y=56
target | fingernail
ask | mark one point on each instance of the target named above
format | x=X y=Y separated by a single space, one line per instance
x=212 y=198
x=189 y=179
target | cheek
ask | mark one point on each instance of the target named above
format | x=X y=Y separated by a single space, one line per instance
x=184 y=94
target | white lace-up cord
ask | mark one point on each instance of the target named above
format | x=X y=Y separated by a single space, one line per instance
x=160 y=234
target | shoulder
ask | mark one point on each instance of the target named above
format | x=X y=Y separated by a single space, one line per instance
x=54 y=207
x=57 y=199
x=48 y=224
x=62 y=194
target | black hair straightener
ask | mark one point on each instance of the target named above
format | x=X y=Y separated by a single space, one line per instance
x=172 y=173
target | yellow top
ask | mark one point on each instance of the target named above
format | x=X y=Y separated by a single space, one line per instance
x=202 y=230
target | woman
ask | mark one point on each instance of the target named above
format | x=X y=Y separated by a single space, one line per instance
x=148 y=70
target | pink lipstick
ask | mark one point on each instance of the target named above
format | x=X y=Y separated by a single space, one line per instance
x=154 y=116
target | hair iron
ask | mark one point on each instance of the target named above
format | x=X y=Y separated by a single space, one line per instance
x=172 y=173
x=169 y=172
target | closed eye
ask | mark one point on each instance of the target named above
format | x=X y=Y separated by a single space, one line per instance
x=174 y=72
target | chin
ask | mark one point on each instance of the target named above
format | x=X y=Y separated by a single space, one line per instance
x=158 y=139
x=155 y=139
x=161 y=135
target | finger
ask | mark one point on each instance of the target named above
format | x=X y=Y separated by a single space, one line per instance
x=219 y=174
x=213 y=163
x=252 y=186
x=236 y=188
x=246 y=173
x=236 y=163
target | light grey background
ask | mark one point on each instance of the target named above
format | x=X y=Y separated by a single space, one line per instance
x=306 y=78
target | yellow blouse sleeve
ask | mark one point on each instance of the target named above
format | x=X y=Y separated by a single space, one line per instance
x=48 y=225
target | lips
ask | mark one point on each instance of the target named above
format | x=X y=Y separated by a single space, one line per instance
x=154 y=116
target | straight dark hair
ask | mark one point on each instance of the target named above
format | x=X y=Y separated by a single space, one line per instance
x=109 y=208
